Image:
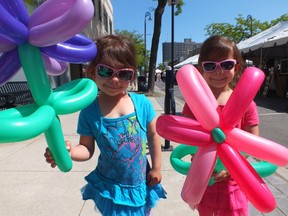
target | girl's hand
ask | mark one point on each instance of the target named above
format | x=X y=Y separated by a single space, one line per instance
x=153 y=177
x=222 y=176
x=49 y=157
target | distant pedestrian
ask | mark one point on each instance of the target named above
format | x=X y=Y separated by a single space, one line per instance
x=122 y=124
x=219 y=63
x=163 y=76
x=159 y=77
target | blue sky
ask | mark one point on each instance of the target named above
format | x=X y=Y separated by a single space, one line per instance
x=129 y=15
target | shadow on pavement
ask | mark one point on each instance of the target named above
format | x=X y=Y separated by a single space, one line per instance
x=273 y=103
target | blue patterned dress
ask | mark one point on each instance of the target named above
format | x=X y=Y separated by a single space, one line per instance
x=118 y=184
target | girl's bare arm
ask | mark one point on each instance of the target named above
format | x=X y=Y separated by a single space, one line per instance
x=154 y=144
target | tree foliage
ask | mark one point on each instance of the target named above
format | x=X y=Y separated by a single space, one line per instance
x=139 y=45
x=244 y=27
x=161 y=66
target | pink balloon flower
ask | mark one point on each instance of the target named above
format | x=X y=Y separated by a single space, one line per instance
x=215 y=133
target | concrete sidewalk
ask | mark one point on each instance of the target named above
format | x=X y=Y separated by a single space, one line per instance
x=29 y=187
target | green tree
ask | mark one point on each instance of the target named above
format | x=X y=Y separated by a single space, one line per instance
x=158 y=13
x=139 y=45
x=284 y=17
x=161 y=66
x=243 y=29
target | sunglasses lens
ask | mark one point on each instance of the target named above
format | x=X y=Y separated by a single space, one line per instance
x=209 y=66
x=125 y=75
x=104 y=72
x=227 y=65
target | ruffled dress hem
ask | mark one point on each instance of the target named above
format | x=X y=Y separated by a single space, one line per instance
x=110 y=196
x=223 y=199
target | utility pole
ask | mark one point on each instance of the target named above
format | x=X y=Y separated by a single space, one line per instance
x=169 y=103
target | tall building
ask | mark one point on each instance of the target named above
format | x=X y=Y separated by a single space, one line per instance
x=102 y=22
x=182 y=50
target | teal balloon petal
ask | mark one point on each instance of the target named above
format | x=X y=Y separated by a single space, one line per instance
x=74 y=96
x=25 y=123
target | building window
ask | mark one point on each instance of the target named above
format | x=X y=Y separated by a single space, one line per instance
x=93 y=7
x=105 y=16
x=110 y=27
x=100 y=10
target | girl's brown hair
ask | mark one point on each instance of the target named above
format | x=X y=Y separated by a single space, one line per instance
x=116 y=51
x=218 y=47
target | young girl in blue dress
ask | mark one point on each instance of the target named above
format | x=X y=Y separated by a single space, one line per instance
x=121 y=123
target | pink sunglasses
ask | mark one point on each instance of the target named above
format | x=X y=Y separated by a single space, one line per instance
x=106 y=72
x=226 y=65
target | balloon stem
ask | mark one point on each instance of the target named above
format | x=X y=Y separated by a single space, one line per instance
x=33 y=66
x=57 y=146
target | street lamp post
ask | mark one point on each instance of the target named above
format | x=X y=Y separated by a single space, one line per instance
x=249 y=17
x=147 y=14
x=169 y=104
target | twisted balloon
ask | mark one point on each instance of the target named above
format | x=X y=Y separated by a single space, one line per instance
x=215 y=133
x=48 y=37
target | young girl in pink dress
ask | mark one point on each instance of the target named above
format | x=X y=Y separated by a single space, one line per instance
x=220 y=63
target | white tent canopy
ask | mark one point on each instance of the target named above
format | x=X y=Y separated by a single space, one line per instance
x=274 y=36
x=158 y=71
x=191 y=60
